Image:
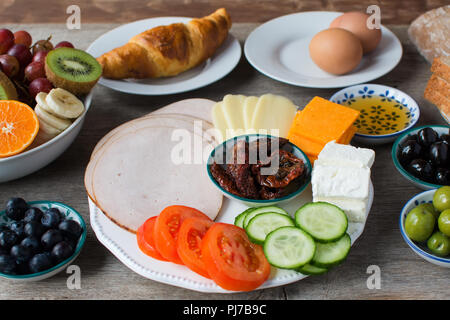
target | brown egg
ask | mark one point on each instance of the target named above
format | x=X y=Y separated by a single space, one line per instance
x=356 y=22
x=335 y=50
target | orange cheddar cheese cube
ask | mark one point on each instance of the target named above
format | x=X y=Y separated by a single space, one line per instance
x=348 y=136
x=323 y=121
x=306 y=145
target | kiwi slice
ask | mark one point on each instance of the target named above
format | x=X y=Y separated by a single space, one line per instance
x=7 y=89
x=73 y=70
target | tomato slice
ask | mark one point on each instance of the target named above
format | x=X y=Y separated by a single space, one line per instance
x=189 y=242
x=146 y=240
x=167 y=226
x=232 y=261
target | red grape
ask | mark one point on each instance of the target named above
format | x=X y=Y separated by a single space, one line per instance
x=6 y=40
x=42 y=45
x=40 y=56
x=64 y=44
x=22 y=53
x=10 y=65
x=23 y=37
x=39 y=85
x=34 y=70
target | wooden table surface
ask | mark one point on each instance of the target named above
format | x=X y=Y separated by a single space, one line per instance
x=403 y=273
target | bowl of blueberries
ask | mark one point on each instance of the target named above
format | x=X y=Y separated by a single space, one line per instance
x=422 y=156
x=38 y=239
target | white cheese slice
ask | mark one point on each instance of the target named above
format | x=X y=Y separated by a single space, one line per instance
x=275 y=114
x=354 y=209
x=340 y=182
x=233 y=113
x=336 y=154
x=219 y=122
x=248 y=111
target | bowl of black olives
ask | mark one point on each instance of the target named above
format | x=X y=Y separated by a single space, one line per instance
x=38 y=239
x=422 y=156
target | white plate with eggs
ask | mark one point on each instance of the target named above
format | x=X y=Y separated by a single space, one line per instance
x=279 y=49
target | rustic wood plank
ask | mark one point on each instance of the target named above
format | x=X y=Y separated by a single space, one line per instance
x=403 y=274
x=54 y=11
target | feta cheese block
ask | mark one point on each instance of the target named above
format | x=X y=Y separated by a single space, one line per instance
x=340 y=182
x=345 y=155
x=355 y=210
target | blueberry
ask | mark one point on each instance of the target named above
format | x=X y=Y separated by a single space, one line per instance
x=40 y=262
x=21 y=253
x=7 y=264
x=50 y=238
x=15 y=208
x=71 y=229
x=19 y=228
x=33 y=214
x=32 y=243
x=34 y=229
x=61 y=251
x=51 y=218
x=8 y=238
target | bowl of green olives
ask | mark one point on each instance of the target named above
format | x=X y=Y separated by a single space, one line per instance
x=422 y=156
x=425 y=225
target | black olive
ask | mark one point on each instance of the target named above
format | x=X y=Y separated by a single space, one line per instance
x=421 y=169
x=445 y=138
x=409 y=151
x=439 y=154
x=427 y=136
x=442 y=176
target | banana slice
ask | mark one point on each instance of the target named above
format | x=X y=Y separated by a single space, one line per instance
x=64 y=104
x=47 y=128
x=58 y=123
x=40 y=100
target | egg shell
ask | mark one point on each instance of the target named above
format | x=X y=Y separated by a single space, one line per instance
x=336 y=50
x=356 y=22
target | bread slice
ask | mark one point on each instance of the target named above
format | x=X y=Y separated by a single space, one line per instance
x=437 y=93
x=430 y=33
x=441 y=67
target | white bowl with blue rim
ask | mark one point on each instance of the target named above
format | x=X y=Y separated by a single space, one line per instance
x=421 y=249
x=70 y=214
x=292 y=148
x=347 y=96
x=424 y=185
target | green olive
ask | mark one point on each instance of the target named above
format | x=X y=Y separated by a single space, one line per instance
x=419 y=224
x=429 y=207
x=439 y=244
x=441 y=198
x=444 y=222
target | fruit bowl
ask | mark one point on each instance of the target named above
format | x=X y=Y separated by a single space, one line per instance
x=259 y=203
x=424 y=185
x=70 y=214
x=31 y=160
x=420 y=249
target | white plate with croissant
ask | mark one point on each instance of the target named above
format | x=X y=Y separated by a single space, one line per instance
x=167 y=55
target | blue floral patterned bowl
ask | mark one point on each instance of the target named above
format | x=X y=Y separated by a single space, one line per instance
x=419 y=248
x=379 y=119
x=70 y=214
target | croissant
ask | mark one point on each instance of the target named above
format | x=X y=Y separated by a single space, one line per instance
x=166 y=51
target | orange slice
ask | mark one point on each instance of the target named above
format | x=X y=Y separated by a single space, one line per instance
x=19 y=126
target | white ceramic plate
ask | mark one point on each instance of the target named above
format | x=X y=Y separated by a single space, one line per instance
x=215 y=68
x=124 y=246
x=279 y=49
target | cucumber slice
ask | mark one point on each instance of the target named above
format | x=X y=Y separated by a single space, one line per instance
x=239 y=220
x=259 y=210
x=289 y=248
x=324 y=221
x=264 y=223
x=309 y=269
x=332 y=253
